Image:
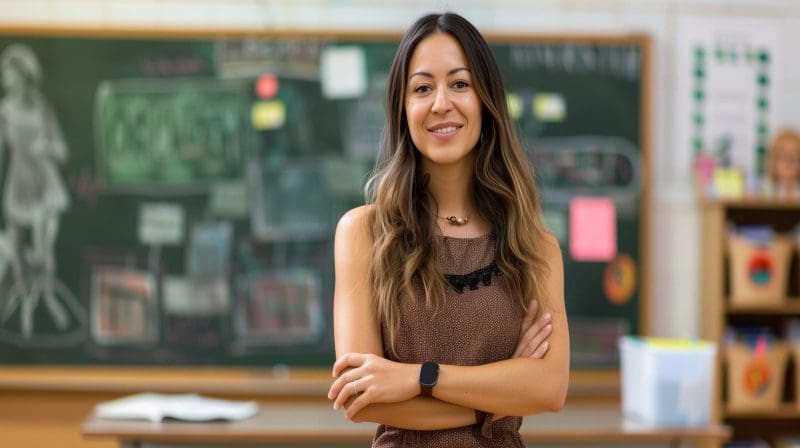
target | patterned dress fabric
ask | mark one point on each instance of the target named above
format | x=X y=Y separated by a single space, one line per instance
x=477 y=325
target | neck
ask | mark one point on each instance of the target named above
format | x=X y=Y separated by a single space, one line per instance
x=450 y=187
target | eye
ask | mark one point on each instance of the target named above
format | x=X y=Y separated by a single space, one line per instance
x=461 y=84
x=423 y=88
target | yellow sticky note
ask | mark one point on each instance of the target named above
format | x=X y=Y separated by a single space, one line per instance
x=515 y=107
x=728 y=182
x=549 y=107
x=268 y=115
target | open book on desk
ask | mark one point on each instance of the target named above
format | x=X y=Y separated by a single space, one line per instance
x=187 y=407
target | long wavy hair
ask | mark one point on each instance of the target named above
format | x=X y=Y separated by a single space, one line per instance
x=402 y=219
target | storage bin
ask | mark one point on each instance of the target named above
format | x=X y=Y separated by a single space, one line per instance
x=756 y=382
x=667 y=382
x=759 y=273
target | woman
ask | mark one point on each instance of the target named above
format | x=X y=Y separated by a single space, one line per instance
x=439 y=277
x=783 y=166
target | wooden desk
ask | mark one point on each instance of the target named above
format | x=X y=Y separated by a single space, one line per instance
x=43 y=407
x=317 y=424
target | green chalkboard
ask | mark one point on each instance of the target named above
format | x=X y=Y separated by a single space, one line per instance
x=171 y=200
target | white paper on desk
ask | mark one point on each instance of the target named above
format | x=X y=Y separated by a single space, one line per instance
x=187 y=407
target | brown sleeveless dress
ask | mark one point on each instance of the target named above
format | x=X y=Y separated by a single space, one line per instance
x=476 y=326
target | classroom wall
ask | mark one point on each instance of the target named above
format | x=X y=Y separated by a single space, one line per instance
x=674 y=238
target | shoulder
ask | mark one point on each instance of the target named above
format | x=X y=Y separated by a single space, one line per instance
x=550 y=251
x=551 y=244
x=354 y=227
x=356 y=220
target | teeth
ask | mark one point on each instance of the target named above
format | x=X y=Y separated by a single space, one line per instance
x=445 y=130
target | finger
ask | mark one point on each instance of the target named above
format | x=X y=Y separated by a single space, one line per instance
x=536 y=327
x=540 y=352
x=531 y=346
x=533 y=338
x=334 y=389
x=342 y=381
x=345 y=394
x=537 y=340
x=531 y=333
x=347 y=360
x=517 y=351
x=359 y=403
x=525 y=330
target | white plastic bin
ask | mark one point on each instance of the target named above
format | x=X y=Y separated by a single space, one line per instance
x=667 y=382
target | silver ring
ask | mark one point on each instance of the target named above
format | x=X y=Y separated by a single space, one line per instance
x=355 y=387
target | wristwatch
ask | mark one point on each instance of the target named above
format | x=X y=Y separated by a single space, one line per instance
x=428 y=376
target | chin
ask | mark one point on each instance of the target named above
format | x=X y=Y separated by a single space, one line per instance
x=443 y=157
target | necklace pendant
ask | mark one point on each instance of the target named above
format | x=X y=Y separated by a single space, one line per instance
x=457 y=221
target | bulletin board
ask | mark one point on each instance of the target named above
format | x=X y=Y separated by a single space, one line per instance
x=173 y=199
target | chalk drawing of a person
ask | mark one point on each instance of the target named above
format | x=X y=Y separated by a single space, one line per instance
x=34 y=195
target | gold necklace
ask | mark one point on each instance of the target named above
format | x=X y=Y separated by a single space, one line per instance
x=453 y=220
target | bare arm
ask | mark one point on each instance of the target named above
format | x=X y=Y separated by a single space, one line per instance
x=388 y=390
x=518 y=386
x=438 y=414
x=356 y=330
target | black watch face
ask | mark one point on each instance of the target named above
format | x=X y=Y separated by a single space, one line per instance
x=429 y=374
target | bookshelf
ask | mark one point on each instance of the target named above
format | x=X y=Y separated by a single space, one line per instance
x=719 y=310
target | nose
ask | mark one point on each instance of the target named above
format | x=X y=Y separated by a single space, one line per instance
x=441 y=102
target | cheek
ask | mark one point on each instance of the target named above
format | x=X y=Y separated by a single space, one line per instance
x=478 y=121
x=414 y=113
x=475 y=111
x=414 y=120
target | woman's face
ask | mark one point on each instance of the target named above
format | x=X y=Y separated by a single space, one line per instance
x=442 y=107
x=787 y=161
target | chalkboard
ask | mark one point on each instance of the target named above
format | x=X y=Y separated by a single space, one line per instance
x=172 y=200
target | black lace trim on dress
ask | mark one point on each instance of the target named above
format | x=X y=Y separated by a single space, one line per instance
x=474 y=278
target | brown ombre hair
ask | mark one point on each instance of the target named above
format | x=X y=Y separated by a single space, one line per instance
x=402 y=219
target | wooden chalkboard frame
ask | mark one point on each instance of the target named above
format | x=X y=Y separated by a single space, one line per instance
x=117 y=379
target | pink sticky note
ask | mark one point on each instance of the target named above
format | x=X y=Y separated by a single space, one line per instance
x=592 y=229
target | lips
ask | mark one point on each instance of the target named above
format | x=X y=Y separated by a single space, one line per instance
x=445 y=128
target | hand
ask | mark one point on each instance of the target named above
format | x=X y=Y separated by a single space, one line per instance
x=533 y=334
x=367 y=378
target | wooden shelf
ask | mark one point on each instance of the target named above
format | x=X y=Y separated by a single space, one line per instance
x=792 y=306
x=754 y=203
x=718 y=312
x=785 y=411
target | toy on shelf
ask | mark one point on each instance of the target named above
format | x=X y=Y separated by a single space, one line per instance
x=782 y=178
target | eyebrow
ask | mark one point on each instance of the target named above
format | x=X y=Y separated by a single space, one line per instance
x=427 y=74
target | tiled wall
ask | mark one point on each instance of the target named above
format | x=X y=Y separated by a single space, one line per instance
x=674 y=231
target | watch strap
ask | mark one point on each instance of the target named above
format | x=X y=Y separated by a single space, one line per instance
x=426 y=391
x=428 y=377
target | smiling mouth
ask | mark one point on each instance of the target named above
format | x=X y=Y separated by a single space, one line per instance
x=445 y=130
